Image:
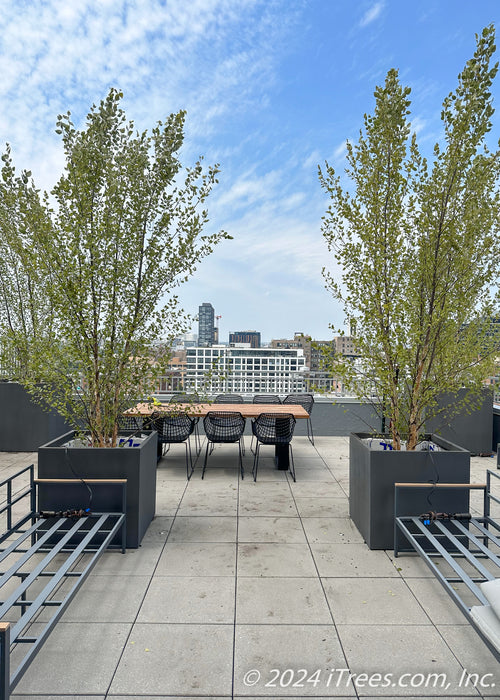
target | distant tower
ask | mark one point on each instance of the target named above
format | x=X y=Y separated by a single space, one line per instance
x=252 y=337
x=216 y=331
x=206 y=327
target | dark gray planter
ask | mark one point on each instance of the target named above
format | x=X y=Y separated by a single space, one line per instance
x=373 y=473
x=136 y=464
x=25 y=425
x=495 y=445
x=471 y=429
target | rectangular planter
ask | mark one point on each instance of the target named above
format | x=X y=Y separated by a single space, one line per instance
x=136 y=464
x=471 y=429
x=373 y=473
x=495 y=445
x=25 y=425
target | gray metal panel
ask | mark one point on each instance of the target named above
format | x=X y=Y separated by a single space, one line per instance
x=25 y=425
x=472 y=430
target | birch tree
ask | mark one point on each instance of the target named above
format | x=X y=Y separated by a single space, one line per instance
x=126 y=230
x=418 y=247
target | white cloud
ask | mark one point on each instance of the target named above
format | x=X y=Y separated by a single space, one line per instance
x=372 y=14
x=418 y=124
x=340 y=151
x=214 y=58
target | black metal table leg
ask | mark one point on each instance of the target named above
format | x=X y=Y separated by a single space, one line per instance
x=282 y=457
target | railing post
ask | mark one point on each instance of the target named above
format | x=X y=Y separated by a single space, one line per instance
x=9 y=504
x=124 y=510
x=4 y=661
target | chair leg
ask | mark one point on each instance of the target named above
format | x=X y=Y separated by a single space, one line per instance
x=310 y=427
x=241 y=452
x=255 y=461
x=197 y=439
x=205 y=462
x=189 y=463
x=292 y=464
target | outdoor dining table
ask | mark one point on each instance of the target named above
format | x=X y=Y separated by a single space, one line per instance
x=247 y=410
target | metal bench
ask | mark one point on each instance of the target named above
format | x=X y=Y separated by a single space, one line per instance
x=462 y=551
x=44 y=559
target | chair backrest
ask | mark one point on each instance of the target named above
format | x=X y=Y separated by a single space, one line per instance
x=176 y=428
x=229 y=398
x=274 y=428
x=305 y=400
x=185 y=398
x=266 y=398
x=129 y=423
x=155 y=422
x=224 y=426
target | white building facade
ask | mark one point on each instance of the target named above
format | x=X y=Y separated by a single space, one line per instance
x=243 y=370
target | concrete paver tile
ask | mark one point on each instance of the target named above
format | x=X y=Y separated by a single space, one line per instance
x=189 y=599
x=200 y=528
x=351 y=559
x=197 y=559
x=331 y=529
x=276 y=559
x=270 y=529
x=277 y=661
x=107 y=598
x=281 y=601
x=267 y=505
x=475 y=657
x=372 y=601
x=410 y=660
x=317 y=489
x=171 y=659
x=436 y=602
x=135 y=562
x=77 y=658
x=313 y=507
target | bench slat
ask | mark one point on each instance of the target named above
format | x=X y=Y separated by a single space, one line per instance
x=59 y=574
x=120 y=520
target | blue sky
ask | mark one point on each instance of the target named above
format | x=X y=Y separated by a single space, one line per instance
x=272 y=88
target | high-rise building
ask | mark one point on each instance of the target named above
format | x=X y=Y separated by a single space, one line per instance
x=251 y=337
x=206 y=325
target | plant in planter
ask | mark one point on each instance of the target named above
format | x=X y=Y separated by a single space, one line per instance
x=26 y=312
x=124 y=231
x=418 y=250
x=27 y=323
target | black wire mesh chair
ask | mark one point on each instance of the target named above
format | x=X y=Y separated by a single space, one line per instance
x=307 y=401
x=229 y=398
x=185 y=398
x=224 y=427
x=264 y=398
x=273 y=429
x=174 y=429
x=190 y=399
x=129 y=423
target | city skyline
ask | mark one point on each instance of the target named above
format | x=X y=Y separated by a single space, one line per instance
x=272 y=89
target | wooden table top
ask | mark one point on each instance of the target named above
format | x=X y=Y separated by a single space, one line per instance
x=247 y=410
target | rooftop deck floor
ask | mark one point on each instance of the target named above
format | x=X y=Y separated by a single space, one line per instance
x=250 y=590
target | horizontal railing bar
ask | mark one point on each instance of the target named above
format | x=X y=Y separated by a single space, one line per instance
x=80 y=481
x=16 y=475
x=427 y=485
